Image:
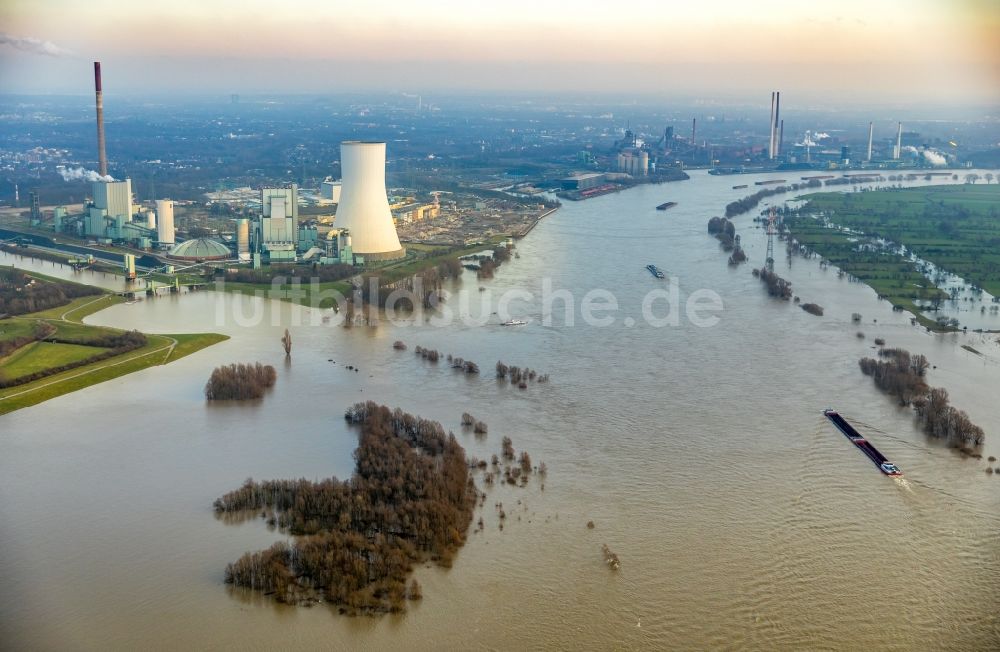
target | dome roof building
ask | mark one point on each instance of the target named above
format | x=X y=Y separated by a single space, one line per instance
x=200 y=249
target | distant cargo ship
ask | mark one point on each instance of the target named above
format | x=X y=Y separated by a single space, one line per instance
x=740 y=187
x=769 y=183
x=818 y=176
x=656 y=271
x=665 y=205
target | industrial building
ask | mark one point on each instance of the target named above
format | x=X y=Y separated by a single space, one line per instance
x=329 y=191
x=165 y=232
x=582 y=181
x=276 y=233
x=633 y=161
x=364 y=204
x=200 y=250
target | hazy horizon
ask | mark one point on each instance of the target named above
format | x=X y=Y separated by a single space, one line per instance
x=892 y=53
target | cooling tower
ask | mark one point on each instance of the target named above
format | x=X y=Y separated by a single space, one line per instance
x=364 y=206
x=165 y=221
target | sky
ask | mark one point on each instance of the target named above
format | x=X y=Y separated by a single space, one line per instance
x=886 y=51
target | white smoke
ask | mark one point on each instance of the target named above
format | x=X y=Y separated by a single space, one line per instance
x=935 y=157
x=81 y=174
x=34 y=45
x=911 y=149
x=821 y=135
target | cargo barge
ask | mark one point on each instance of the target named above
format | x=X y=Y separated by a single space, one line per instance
x=656 y=271
x=665 y=205
x=769 y=183
x=884 y=465
x=741 y=187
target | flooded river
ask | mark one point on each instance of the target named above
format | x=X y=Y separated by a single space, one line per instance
x=742 y=518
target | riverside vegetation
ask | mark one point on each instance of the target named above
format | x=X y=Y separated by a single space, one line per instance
x=240 y=382
x=902 y=375
x=410 y=499
x=955 y=227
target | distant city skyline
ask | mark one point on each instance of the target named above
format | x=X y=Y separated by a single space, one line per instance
x=890 y=52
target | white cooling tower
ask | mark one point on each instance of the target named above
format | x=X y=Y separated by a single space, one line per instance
x=165 y=221
x=364 y=206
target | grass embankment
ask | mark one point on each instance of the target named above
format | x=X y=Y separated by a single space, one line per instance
x=419 y=257
x=159 y=349
x=956 y=227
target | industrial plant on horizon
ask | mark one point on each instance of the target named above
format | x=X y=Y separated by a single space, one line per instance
x=364 y=228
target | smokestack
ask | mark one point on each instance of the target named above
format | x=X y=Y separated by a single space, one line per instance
x=777 y=116
x=871 y=130
x=781 y=137
x=102 y=157
x=770 y=142
x=898 y=150
x=694 y=130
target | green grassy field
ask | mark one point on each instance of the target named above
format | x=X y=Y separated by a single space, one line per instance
x=956 y=227
x=37 y=356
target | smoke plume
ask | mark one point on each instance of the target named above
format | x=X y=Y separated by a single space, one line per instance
x=33 y=45
x=935 y=157
x=81 y=174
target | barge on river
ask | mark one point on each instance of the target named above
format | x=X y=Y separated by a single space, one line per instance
x=884 y=465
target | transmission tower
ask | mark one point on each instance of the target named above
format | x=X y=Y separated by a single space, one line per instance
x=771 y=221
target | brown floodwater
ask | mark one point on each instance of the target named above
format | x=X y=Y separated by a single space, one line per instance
x=742 y=518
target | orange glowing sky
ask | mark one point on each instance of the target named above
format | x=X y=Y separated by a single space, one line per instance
x=906 y=50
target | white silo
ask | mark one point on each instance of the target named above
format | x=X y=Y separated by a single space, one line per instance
x=243 y=238
x=151 y=219
x=165 y=221
x=364 y=205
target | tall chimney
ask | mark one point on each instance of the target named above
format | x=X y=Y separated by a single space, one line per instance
x=781 y=137
x=770 y=131
x=777 y=116
x=871 y=130
x=102 y=157
x=898 y=151
x=694 y=130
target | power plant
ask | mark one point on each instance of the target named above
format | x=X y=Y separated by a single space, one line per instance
x=364 y=204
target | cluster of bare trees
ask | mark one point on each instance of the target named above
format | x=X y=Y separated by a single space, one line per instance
x=240 y=382
x=488 y=266
x=322 y=273
x=519 y=376
x=477 y=426
x=468 y=366
x=431 y=355
x=812 y=308
x=21 y=294
x=411 y=499
x=750 y=202
x=776 y=286
x=901 y=375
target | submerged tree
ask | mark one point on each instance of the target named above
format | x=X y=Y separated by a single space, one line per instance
x=286 y=341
